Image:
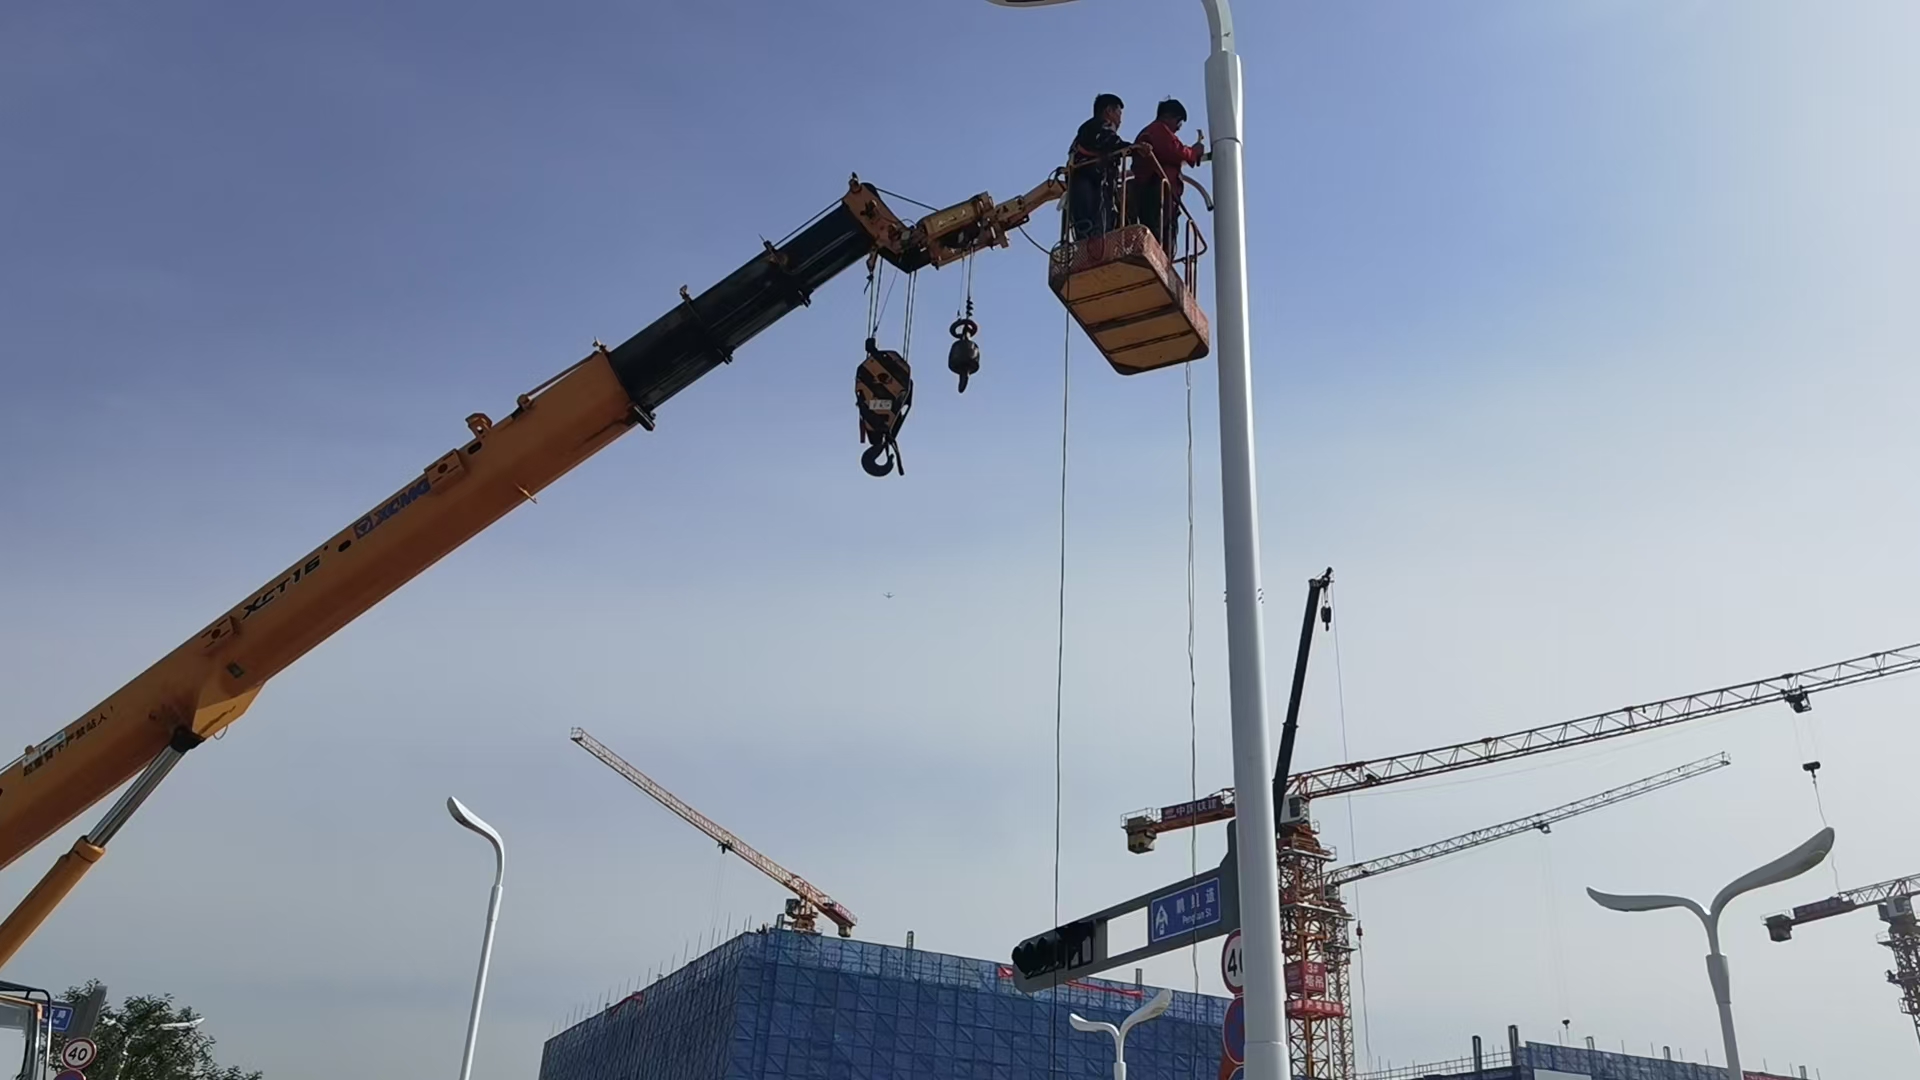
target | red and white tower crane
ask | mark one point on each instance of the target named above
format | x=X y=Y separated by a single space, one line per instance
x=808 y=904
x=1313 y=930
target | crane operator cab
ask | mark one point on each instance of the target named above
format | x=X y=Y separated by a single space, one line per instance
x=1128 y=281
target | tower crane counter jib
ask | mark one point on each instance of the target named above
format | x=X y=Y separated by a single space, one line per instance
x=208 y=682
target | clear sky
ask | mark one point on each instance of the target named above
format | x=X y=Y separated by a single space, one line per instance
x=1584 y=338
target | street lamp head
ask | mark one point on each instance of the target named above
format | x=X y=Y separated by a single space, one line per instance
x=1153 y=1008
x=1617 y=902
x=469 y=820
x=1808 y=855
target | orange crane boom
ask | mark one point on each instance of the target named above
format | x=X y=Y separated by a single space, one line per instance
x=813 y=902
x=142 y=730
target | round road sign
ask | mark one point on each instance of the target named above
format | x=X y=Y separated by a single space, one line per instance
x=1233 y=1033
x=1232 y=965
x=78 y=1053
x=71 y=1074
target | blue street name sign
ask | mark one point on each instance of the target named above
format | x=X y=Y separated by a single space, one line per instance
x=61 y=1014
x=1194 y=908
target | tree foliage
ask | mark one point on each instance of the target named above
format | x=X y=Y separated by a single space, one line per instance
x=136 y=1043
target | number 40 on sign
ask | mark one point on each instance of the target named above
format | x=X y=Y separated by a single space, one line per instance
x=1233 y=969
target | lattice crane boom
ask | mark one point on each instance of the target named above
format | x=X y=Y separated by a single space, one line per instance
x=794 y=883
x=1894 y=899
x=1793 y=688
x=1541 y=821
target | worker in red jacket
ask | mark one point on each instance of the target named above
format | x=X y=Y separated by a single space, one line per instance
x=1152 y=202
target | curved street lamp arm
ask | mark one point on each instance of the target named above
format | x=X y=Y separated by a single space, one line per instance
x=1652 y=902
x=1791 y=865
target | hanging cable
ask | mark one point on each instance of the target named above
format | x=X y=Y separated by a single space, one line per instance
x=1557 y=959
x=1193 y=682
x=1060 y=666
x=1340 y=688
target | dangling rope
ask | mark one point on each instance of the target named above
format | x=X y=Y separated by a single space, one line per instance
x=1193 y=683
x=1060 y=665
x=1340 y=687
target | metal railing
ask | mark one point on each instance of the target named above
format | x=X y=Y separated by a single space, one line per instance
x=1492 y=1059
x=1119 y=206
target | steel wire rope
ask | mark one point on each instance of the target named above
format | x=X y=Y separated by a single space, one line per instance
x=1060 y=668
x=1340 y=688
x=1193 y=682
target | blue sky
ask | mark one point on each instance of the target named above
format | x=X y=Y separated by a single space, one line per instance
x=1583 y=343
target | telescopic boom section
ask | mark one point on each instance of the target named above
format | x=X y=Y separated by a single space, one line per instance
x=794 y=883
x=1541 y=822
x=1794 y=688
x=209 y=681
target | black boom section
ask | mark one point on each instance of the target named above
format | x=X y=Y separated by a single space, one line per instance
x=703 y=331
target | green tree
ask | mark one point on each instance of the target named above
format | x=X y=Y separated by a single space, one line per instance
x=151 y=1038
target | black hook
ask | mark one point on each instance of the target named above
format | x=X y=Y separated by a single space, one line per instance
x=963 y=359
x=871 y=462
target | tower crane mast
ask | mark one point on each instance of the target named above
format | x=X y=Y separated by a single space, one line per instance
x=809 y=903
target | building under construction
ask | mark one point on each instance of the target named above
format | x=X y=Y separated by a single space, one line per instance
x=1547 y=1061
x=782 y=1005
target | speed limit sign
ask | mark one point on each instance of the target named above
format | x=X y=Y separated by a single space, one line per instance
x=1232 y=965
x=78 y=1053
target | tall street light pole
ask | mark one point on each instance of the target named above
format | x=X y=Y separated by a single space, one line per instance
x=1145 y=1012
x=467 y=819
x=1246 y=636
x=1791 y=865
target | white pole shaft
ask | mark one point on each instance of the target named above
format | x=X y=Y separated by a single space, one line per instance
x=480 y=982
x=1723 y=997
x=1266 y=1050
x=1119 y=1070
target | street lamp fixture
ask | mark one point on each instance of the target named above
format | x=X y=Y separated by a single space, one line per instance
x=1791 y=865
x=1138 y=1016
x=468 y=820
x=1266 y=1057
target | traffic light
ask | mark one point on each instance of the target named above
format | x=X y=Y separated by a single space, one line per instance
x=1064 y=948
x=86 y=1013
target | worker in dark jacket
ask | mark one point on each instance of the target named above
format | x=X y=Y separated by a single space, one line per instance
x=1093 y=186
x=1154 y=198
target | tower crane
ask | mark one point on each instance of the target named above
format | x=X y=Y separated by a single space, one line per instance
x=1312 y=931
x=1894 y=902
x=808 y=904
x=1324 y=980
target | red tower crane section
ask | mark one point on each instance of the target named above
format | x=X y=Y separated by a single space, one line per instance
x=1894 y=901
x=1795 y=689
x=809 y=903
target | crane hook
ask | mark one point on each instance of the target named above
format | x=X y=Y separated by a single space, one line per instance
x=963 y=358
x=883 y=394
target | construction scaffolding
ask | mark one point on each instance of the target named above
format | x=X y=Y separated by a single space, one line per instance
x=780 y=1005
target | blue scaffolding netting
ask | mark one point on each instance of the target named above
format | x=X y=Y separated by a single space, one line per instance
x=780 y=1005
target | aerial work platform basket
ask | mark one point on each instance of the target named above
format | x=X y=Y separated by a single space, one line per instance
x=1134 y=299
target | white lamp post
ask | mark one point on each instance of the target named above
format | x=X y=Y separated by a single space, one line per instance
x=1144 y=1013
x=1246 y=636
x=466 y=818
x=1791 y=865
